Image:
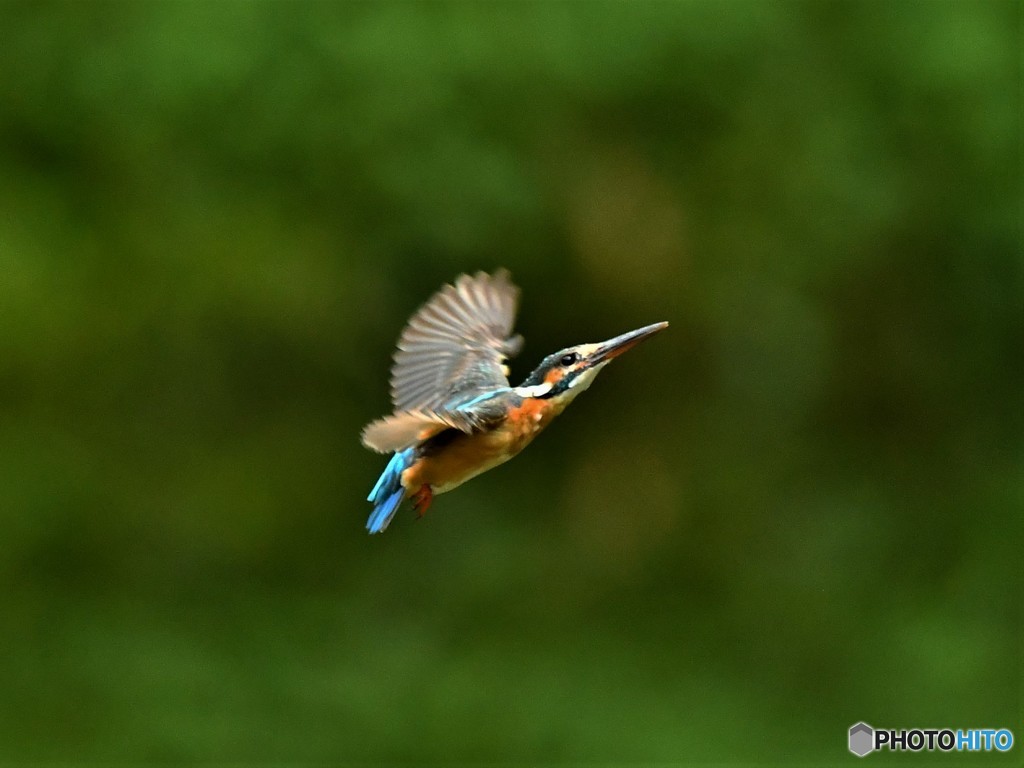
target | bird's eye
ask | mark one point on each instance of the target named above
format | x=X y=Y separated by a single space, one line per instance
x=569 y=359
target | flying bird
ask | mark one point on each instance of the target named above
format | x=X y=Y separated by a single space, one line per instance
x=456 y=415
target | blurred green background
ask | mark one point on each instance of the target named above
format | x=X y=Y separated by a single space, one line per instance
x=798 y=508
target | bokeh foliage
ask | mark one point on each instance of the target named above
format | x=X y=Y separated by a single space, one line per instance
x=796 y=509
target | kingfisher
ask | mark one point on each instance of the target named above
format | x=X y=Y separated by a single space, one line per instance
x=455 y=414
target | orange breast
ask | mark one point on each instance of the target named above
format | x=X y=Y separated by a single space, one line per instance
x=466 y=456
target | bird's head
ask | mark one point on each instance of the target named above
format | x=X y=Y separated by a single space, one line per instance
x=563 y=375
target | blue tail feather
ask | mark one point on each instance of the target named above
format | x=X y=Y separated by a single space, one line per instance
x=388 y=493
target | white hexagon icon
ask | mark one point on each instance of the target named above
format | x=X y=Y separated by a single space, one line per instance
x=862 y=739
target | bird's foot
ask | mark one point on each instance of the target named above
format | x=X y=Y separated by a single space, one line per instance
x=421 y=500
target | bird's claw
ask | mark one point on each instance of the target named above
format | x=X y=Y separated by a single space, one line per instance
x=421 y=500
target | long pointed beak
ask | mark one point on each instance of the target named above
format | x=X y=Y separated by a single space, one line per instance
x=609 y=350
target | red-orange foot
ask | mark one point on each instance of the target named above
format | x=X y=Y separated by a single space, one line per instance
x=421 y=500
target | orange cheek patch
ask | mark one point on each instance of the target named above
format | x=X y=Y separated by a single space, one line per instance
x=553 y=376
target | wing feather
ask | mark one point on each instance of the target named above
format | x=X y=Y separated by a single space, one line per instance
x=455 y=346
x=448 y=371
x=400 y=430
x=393 y=433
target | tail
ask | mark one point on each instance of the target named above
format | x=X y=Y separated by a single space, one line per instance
x=388 y=493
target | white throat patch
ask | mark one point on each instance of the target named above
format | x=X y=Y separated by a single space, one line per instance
x=585 y=379
x=537 y=390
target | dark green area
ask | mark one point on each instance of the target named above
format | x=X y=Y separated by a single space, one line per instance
x=798 y=508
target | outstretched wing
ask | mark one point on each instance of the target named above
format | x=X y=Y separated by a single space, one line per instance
x=454 y=348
